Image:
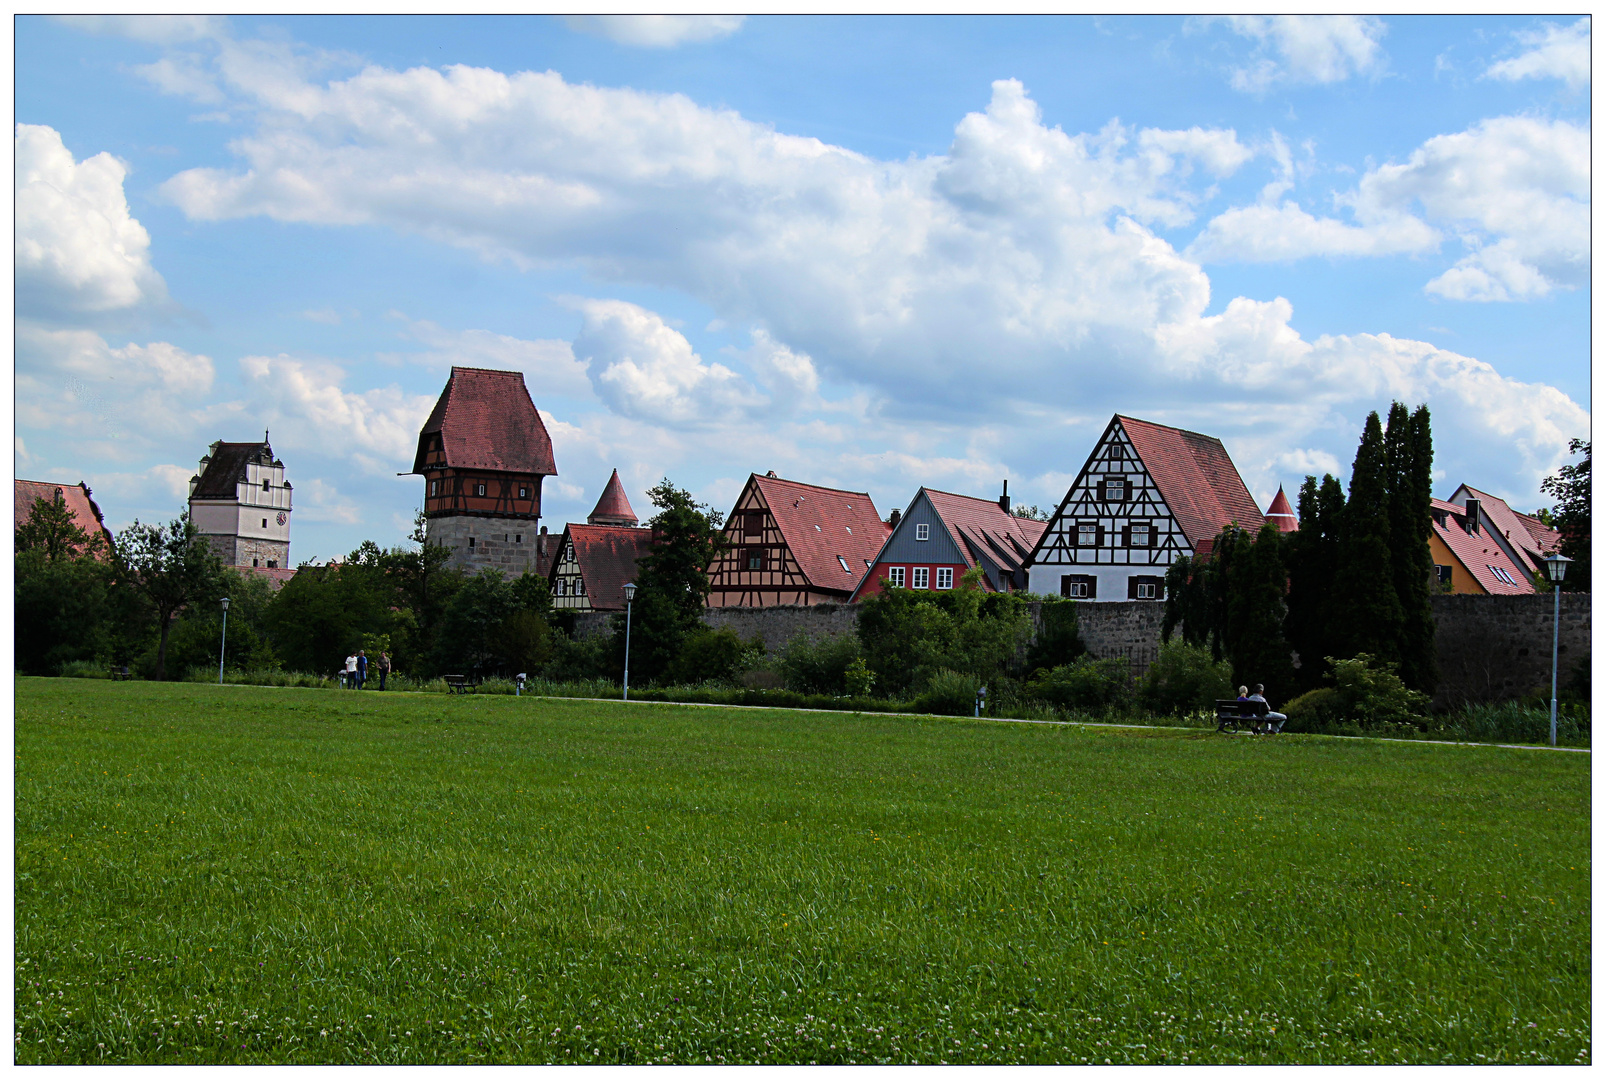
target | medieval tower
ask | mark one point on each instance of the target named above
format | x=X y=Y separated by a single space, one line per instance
x=240 y=501
x=483 y=453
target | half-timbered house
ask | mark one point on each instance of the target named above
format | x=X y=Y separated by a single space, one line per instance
x=793 y=543
x=942 y=535
x=594 y=561
x=483 y=453
x=1147 y=495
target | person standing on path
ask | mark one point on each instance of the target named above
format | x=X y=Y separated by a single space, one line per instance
x=384 y=667
x=351 y=671
x=362 y=668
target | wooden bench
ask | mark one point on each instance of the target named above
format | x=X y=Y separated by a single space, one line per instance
x=121 y=673
x=1230 y=712
x=457 y=684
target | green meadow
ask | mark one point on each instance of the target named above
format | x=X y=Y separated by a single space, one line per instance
x=246 y=874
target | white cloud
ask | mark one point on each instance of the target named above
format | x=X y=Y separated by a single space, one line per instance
x=656 y=31
x=1307 y=48
x=327 y=316
x=1514 y=190
x=1555 y=52
x=548 y=365
x=966 y=299
x=182 y=75
x=72 y=381
x=79 y=250
x=304 y=403
x=155 y=29
x=646 y=369
x=788 y=376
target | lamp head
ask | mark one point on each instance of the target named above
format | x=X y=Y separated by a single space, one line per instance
x=225 y=603
x=630 y=591
x=1556 y=567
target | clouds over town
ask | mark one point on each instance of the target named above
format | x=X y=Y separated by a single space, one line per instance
x=940 y=318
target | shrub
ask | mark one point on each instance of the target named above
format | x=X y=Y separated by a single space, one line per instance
x=1313 y=712
x=1371 y=694
x=859 y=679
x=84 y=669
x=708 y=655
x=819 y=667
x=1087 y=685
x=581 y=660
x=949 y=693
x=1058 y=641
x=1185 y=678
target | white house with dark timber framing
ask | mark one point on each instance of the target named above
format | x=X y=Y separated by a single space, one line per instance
x=1147 y=495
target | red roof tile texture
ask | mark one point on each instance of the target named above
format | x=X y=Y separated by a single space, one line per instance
x=1196 y=478
x=1532 y=539
x=486 y=420
x=613 y=508
x=1478 y=553
x=77 y=497
x=1282 y=515
x=982 y=524
x=821 y=525
x=277 y=575
x=607 y=556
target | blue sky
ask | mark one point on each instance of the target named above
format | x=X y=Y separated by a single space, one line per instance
x=871 y=253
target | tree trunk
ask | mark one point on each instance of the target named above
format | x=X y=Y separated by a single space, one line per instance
x=161 y=649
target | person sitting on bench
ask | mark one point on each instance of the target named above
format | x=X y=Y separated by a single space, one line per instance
x=1274 y=720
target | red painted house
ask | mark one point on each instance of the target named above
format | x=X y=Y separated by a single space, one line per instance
x=943 y=535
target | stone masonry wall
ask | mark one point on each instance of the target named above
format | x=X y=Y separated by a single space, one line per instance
x=1490 y=648
x=491 y=551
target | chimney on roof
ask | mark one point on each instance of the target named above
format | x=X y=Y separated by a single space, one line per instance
x=897 y=515
x=1003 y=500
x=1472 y=508
x=771 y=473
x=540 y=542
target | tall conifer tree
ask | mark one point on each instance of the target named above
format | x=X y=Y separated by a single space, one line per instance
x=1367 y=618
x=1255 y=610
x=1409 y=444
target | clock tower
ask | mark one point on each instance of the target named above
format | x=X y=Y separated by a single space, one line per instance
x=240 y=501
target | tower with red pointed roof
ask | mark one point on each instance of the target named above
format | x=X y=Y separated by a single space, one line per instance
x=612 y=508
x=1280 y=514
x=483 y=453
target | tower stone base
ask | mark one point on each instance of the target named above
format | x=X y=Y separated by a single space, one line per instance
x=249 y=551
x=505 y=544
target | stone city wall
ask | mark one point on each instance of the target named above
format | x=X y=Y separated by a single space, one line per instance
x=505 y=544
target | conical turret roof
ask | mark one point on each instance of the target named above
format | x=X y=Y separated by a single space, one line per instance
x=613 y=508
x=1281 y=514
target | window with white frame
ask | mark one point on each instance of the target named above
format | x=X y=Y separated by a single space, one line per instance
x=945 y=577
x=895 y=576
x=524 y=493
x=1087 y=535
x=1146 y=590
x=434 y=486
x=1140 y=535
x=563 y=586
x=1114 y=490
x=579 y=586
x=568 y=552
x=922 y=578
x=922 y=531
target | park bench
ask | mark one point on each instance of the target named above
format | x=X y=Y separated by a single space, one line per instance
x=457 y=684
x=120 y=673
x=1230 y=713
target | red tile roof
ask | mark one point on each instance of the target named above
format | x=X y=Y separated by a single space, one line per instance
x=1196 y=478
x=1477 y=552
x=607 y=556
x=613 y=508
x=1527 y=533
x=77 y=497
x=225 y=468
x=1281 y=514
x=277 y=575
x=486 y=420
x=983 y=524
x=820 y=525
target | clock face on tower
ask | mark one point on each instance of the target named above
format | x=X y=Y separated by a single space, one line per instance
x=280 y=518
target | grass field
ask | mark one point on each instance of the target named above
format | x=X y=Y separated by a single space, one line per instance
x=236 y=874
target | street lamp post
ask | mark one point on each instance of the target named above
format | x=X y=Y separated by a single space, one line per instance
x=224 y=647
x=1556 y=567
x=630 y=595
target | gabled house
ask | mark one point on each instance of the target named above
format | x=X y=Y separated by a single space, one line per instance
x=793 y=543
x=1524 y=538
x=592 y=562
x=86 y=515
x=942 y=535
x=1467 y=557
x=240 y=501
x=483 y=453
x=1147 y=495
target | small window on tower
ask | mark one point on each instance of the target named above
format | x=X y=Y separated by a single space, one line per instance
x=273 y=564
x=267 y=484
x=479 y=489
x=518 y=538
x=253 y=562
x=524 y=493
x=434 y=486
x=471 y=543
x=264 y=523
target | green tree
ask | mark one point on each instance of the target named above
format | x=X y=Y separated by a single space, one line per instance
x=672 y=583
x=167 y=567
x=1254 y=593
x=63 y=598
x=1058 y=640
x=198 y=631
x=1409 y=450
x=52 y=530
x=909 y=636
x=1311 y=555
x=1367 y=616
x=1185 y=678
x=324 y=613
x=423 y=585
x=1570 y=488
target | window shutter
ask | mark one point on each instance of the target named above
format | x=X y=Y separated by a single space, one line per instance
x=1092 y=587
x=1101 y=536
x=1126 y=536
x=1131 y=588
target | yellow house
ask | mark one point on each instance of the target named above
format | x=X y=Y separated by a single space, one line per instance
x=1468 y=560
